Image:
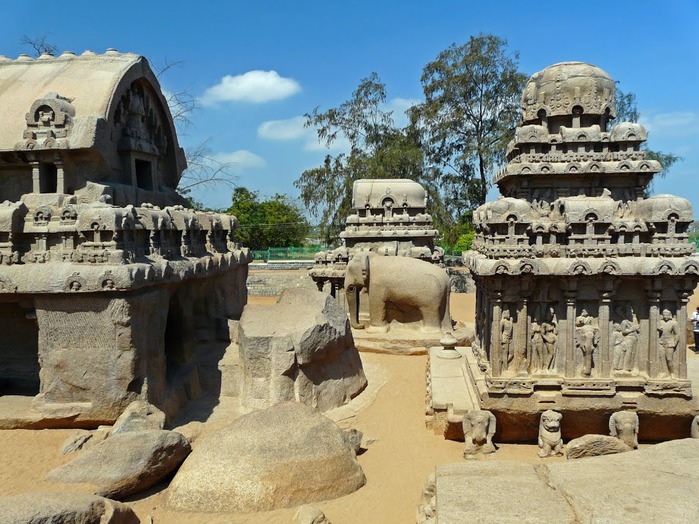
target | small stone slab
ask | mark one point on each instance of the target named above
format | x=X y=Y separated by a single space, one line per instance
x=594 y=445
x=139 y=416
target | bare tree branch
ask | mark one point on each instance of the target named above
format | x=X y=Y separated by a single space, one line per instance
x=39 y=45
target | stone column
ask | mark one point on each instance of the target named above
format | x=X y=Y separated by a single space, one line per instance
x=60 y=179
x=569 y=330
x=651 y=356
x=681 y=353
x=521 y=349
x=604 y=363
x=495 y=348
x=36 y=177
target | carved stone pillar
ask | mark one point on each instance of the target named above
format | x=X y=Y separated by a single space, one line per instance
x=522 y=357
x=495 y=348
x=604 y=367
x=36 y=177
x=651 y=363
x=60 y=179
x=681 y=353
x=569 y=330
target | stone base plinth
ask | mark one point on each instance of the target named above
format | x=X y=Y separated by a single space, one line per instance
x=405 y=341
x=456 y=386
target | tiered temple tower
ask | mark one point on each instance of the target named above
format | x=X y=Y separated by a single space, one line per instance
x=582 y=280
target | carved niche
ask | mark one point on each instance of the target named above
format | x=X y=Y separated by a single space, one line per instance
x=48 y=122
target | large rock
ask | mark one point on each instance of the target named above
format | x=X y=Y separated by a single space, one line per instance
x=595 y=445
x=283 y=456
x=139 y=416
x=656 y=484
x=64 y=508
x=300 y=349
x=125 y=463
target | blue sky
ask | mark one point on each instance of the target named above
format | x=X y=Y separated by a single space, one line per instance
x=257 y=67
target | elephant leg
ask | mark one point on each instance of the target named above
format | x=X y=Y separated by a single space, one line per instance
x=377 y=314
x=431 y=321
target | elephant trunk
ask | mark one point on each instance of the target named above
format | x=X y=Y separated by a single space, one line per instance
x=352 y=293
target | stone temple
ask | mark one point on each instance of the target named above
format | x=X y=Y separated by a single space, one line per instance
x=108 y=284
x=390 y=218
x=582 y=280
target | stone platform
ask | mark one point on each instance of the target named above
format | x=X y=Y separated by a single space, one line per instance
x=456 y=386
x=656 y=484
x=405 y=341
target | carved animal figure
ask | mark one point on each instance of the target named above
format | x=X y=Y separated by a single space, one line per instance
x=479 y=428
x=694 y=430
x=550 y=441
x=403 y=283
x=624 y=426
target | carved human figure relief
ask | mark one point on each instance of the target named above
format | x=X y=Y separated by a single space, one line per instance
x=550 y=441
x=506 y=330
x=479 y=428
x=537 y=344
x=624 y=426
x=550 y=336
x=586 y=339
x=631 y=330
x=668 y=333
x=617 y=342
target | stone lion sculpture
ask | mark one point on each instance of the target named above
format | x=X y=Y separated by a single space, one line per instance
x=624 y=426
x=550 y=441
x=694 y=430
x=479 y=428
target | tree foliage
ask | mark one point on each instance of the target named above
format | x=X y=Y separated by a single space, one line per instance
x=377 y=149
x=274 y=222
x=472 y=105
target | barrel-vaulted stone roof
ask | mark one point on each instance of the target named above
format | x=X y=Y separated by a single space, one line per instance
x=73 y=102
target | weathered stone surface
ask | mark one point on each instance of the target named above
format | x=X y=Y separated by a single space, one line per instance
x=300 y=349
x=656 y=484
x=354 y=439
x=310 y=515
x=496 y=492
x=282 y=456
x=139 y=416
x=594 y=445
x=64 y=508
x=76 y=441
x=125 y=463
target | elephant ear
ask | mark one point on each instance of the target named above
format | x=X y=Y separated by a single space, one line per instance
x=365 y=269
x=492 y=425
x=612 y=425
x=466 y=424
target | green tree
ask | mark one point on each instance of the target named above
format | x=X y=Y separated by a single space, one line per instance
x=275 y=222
x=627 y=111
x=378 y=149
x=472 y=105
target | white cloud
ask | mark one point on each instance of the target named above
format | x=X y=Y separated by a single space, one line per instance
x=293 y=129
x=674 y=124
x=288 y=129
x=240 y=159
x=253 y=86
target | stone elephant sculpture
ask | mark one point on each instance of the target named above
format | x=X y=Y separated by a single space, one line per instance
x=479 y=427
x=624 y=426
x=401 y=283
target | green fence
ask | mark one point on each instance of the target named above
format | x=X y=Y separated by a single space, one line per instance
x=287 y=253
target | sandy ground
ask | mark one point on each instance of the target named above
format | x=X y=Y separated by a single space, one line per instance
x=396 y=464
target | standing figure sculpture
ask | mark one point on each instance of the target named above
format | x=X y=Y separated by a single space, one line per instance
x=506 y=329
x=587 y=339
x=550 y=337
x=631 y=330
x=537 y=346
x=618 y=348
x=668 y=331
